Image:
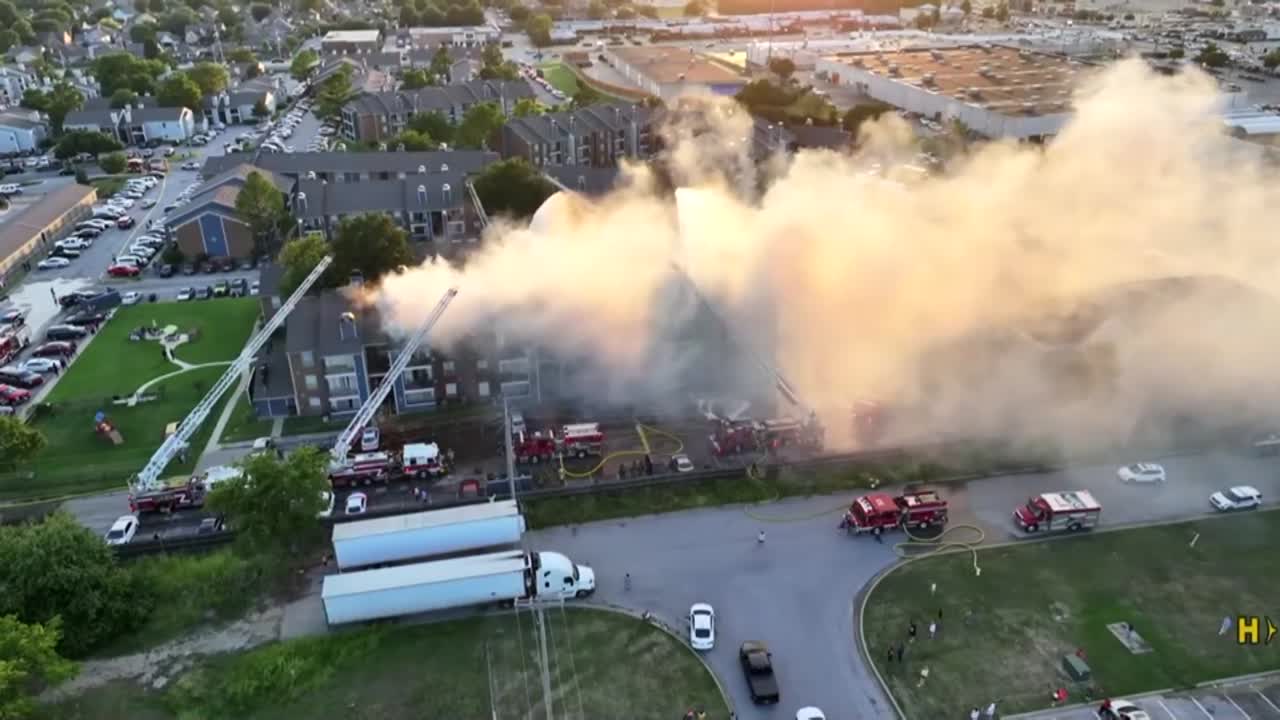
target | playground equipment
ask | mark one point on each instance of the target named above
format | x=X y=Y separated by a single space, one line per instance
x=107 y=429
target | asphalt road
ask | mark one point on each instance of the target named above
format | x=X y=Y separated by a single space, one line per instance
x=797 y=592
x=1252 y=700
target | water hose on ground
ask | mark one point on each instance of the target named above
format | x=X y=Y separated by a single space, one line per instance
x=625 y=453
x=918 y=546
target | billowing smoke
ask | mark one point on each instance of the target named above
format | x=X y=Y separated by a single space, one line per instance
x=1077 y=289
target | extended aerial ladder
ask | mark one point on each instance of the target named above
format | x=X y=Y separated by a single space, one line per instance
x=370 y=407
x=149 y=478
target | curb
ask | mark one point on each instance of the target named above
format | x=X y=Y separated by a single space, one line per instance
x=1225 y=682
x=870 y=588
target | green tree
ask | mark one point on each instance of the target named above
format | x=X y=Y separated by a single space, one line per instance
x=783 y=67
x=415 y=78
x=60 y=569
x=334 y=92
x=122 y=97
x=275 y=501
x=586 y=96
x=61 y=99
x=241 y=56
x=518 y=14
x=528 y=106
x=8 y=13
x=512 y=187
x=260 y=12
x=413 y=141
x=19 y=442
x=211 y=78
x=8 y=39
x=434 y=125
x=597 y=10
x=29 y=659
x=122 y=70
x=441 y=63
x=859 y=114
x=1177 y=53
x=112 y=163
x=478 y=125
x=626 y=12
x=179 y=91
x=309 y=5
x=298 y=258
x=967 y=8
x=1212 y=56
x=302 y=64
x=177 y=19
x=260 y=204
x=1002 y=12
x=74 y=142
x=372 y=245
x=695 y=8
x=538 y=28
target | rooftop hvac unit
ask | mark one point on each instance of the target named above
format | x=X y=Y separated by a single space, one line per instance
x=1028 y=106
x=857 y=62
x=893 y=70
x=974 y=93
x=927 y=78
x=936 y=55
x=984 y=69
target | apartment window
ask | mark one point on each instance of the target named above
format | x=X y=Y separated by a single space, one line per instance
x=314 y=403
x=424 y=395
x=417 y=378
x=457 y=227
x=339 y=364
x=448 y=367
x=275 y=303
x=482 y=364
x=308 y=359
x=514 y=366
x=447 y=192
x=339 y=384
x=344 y=404
x=311 y=382
x=483 y=388
x=451 y=390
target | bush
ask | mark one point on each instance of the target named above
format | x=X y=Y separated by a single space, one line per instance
x=112 y=163
x=173 y=255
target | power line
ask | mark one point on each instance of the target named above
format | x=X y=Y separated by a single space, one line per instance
x=524 y=670
x=573 y=663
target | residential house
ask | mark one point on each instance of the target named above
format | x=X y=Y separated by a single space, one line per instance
x=465 y=61
x=336 y=352
x=104 y=103
x=160 y=125
x=108 y=121
x=13 y=83
x=209 y=226
x=123 y=15
x=272 y=31
x=78 y=78
x=458 y=36
x=351 y=42
x=373 y=117
x=167 y=41
x=596 y=136
x=53 y=39
x=432 y=205
x=25 y=55
x=769 y=138
x=20 y=132
x=95 y=35
x=238 y=106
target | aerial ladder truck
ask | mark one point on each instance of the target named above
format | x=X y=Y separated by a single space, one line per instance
x=344 y=469
x=147 y=492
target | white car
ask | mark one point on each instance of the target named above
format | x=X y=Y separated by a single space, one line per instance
x=327 y=497
x=1122 y=709
x=369 y=439
x=122 y=530
x=810 y=713
x=1142 y=473
x=130 y=298
x=41 y=365
x=702 y=627
x=149 y=203
x=72 y=244
x=357 y=503
x=682 y=463
x=123 y=202
x=53 y=263
x=1240 y=497
x=185 y=294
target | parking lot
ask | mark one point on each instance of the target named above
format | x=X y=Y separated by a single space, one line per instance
x=1251 y=700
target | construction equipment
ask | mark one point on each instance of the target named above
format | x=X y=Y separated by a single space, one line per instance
x=370 y=407
x=147 y=479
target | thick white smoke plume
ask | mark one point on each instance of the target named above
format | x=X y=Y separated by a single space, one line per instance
x=1022 y=290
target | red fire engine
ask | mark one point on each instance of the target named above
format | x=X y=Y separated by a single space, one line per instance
x=179 y=494
x=13 y=338
x=786 y=431
x=733 y=437
x=362 y=468
x=534 y=448
x=868 y=420
x=581 y=439
x=878 y=512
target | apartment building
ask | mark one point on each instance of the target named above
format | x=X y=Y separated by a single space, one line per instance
x=13 y=83
x=336 y=354
x=374 y=117
x=353 y=167
x=595 y=136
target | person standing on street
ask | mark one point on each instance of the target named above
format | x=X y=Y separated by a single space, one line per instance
x=760 y=537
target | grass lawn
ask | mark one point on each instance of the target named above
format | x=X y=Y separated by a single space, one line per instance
x=244 y=423
x=560 y=77
x=473 y=669
x=76 y=459
x=108 y=185
x=1036 y=602
x=307 y=424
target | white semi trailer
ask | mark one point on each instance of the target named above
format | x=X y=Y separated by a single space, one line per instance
x=449 y=584
x=398 y=538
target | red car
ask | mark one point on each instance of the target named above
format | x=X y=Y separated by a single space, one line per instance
x=58 y=349
x=123 y=271
x=126 y=222
x=10 y=395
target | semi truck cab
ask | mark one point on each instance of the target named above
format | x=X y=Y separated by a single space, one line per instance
x=556 y=576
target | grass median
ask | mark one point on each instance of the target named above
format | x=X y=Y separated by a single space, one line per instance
x=472 y=669
x=1004 y=633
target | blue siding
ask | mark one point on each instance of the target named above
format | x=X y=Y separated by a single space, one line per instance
x=362 y=380
x=274 y=408
x=398 y=391
x=215 y=239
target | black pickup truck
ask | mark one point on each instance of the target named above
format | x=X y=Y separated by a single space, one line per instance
x=757 y=665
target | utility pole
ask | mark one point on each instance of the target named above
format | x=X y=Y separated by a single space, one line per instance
x=511 y=457
x=541 y=620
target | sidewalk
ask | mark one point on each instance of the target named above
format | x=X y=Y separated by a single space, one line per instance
x=1251 y=697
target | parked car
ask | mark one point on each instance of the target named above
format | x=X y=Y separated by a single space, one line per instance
x=53 y=263
x=87 y=318
x=66 y=252
x=204 y=293
x=19 y=377
x=166 y=270
x=41 y=365
x=58 y=349
x=123 y=271
x=1240 y=497
x=1142 y=473
x=189 y=269
x=64 y=332
x=239 y=287
x=122 y=530
x=221 y=288
x=357 y=502
x=126 y=222
x=369 y=439
x=130 y=298
x=13 y=396
x=186 y=294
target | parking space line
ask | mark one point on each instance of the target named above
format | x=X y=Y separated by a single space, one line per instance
x=1206 y=712
x=1166 y=709
x=1267 y=700
x=1236 y=705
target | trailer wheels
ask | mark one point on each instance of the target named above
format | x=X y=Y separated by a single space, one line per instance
x=1032 y=528
x=1075 y=527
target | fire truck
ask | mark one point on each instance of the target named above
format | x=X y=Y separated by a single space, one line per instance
x=1073 y=510
x=786 y=431
x=868 y=419
x=181 y=493
x=878 y=512
x=581 y=439
x=534 y=448
x=421 y=460
x=361 y=468
x=13 y=338
x=733 y=437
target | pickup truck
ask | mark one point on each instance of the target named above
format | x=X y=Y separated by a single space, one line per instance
x=757 y=666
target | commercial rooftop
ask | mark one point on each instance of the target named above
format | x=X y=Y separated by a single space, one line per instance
x=351 y=36
x=667 y=65
x=19 y=229
x=1002 y=79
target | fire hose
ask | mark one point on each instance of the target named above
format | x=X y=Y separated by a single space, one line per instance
x=918 y=546
x=624 y=453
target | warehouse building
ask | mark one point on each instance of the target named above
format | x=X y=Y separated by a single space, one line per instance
x=994 y=90
x=669 y=72
x=28 y=233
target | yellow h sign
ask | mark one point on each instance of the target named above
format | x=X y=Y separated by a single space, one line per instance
x=1249 y=630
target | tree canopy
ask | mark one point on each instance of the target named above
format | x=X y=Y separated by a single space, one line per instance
x=478 y=125
x=538 y=28
x=121 y=70
x=211 y=78
x=1213 y=56
x=113 y=163
x=372 y=245
x=334 y=92
x=303 y=63
x=275 y=501
x=179 y=91
x=60 y=100
x=415 y=78
x=433 y=125
x=74 y=142
x=695 y=8
x=28 y=659
x=525 y=107
x=299 y=257
x=19 y=442
x=783 y=67
x=260 y=204
x=512 y=187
